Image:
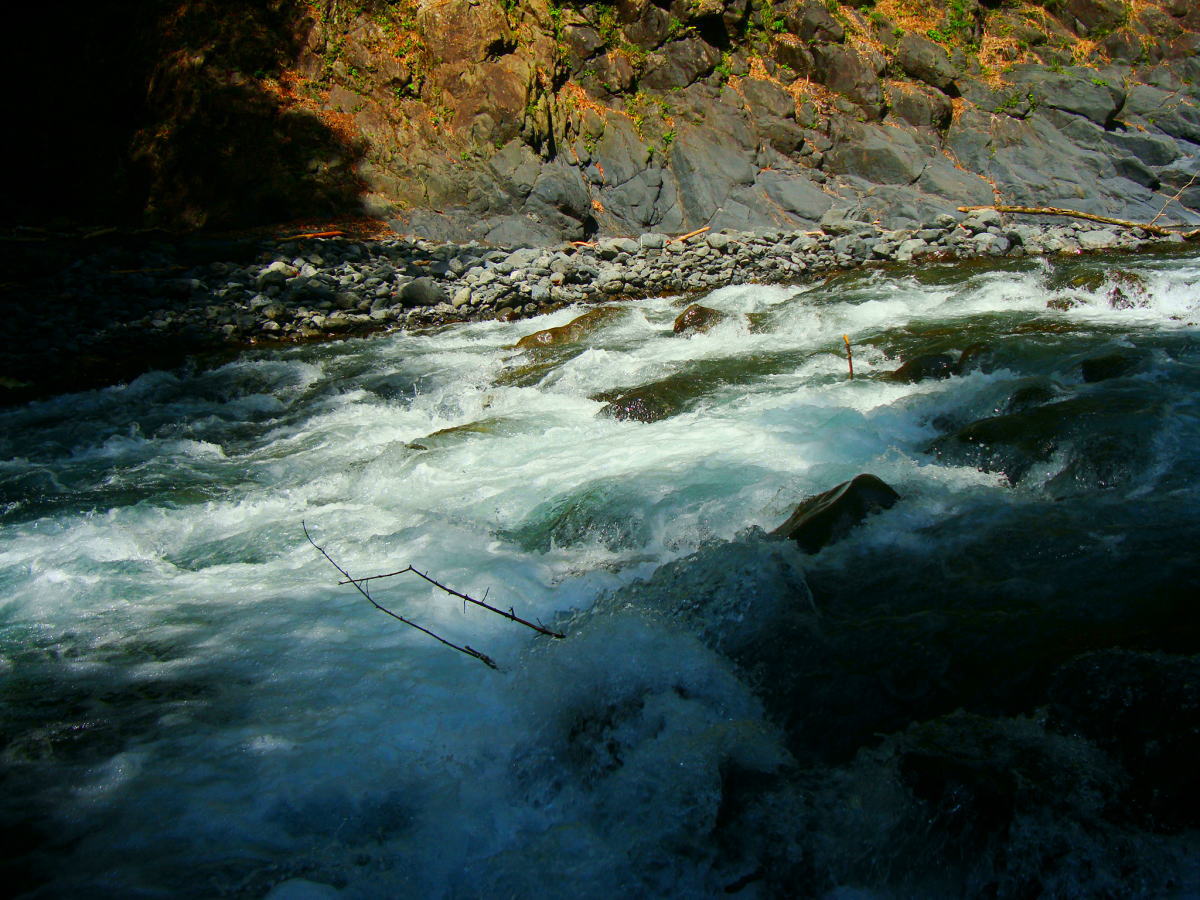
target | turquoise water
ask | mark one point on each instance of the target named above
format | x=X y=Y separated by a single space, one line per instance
x=190 y=704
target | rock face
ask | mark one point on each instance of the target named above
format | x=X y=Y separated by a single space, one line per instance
x=827 y=517
x=535 y=122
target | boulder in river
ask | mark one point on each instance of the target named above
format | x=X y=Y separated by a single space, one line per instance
x=927 y=365
x=827 y=517
x=697 y=319
x=940 y=365
x=1111 y=365
x=654 y=401
x=575 y=330
x=1143 y=709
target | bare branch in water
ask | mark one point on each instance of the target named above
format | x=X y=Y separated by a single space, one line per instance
x=469 y=651
x=510 y=615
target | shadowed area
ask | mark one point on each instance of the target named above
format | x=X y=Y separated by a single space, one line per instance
x=175 y=114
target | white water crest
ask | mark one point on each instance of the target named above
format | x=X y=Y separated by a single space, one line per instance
x=193 y=706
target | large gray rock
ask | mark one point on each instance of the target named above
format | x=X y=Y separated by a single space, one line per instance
x=1079 y=91
x=812 y=21
x=1150 y=149
x=766 y=96
x=852 y=73
x=520 y=231
x=634 y=204
x=1093 y=15
x=919 y=105
x=839 y=220
x=877 y=154
x=706 y=172
x=423 y=291
x=679 y=64
x=795 y=195
x=926 y=61
x=942 y=179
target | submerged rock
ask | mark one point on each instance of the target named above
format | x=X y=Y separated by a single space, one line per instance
x=975 y=776
x=1095 y=437
x=605 y=512
x=1144 y=710
x=697 y=319
x=941 y=365
x=575 y=330
x=928 y=365
x=652 y=402
x=450 y=436
x=1111 y=365
x=829 y=516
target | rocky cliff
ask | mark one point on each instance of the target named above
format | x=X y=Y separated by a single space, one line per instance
x=533 y=122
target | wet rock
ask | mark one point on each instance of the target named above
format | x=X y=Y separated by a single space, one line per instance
x=575 y=330
x=1029 y=396
x=1094 y=437
x=1128 y=291
x=1111 y=365
x=827 y=517
x=449 y=437
x=975 y=775
x=605 y=512
x=929 y=365
x=1143 y=709
x=651 y=402
x=697 y=319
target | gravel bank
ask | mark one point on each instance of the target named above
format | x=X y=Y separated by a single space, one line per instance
x=111 y=314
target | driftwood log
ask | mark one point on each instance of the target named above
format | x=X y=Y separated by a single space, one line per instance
x=1074 y=213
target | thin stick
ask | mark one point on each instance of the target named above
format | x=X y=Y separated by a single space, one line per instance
x=849 y=355
x=684 y=237
x=470 y=651
x=1178 y=194
x=540 y=629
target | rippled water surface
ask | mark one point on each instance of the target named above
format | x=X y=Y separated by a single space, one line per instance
x=190 y=705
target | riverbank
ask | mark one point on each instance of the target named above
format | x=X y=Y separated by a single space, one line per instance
x=133 y=305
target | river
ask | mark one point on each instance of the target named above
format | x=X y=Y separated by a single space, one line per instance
x=191 y=705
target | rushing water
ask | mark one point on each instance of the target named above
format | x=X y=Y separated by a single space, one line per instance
x=190 y=705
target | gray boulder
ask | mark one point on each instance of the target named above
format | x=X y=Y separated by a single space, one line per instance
x=811 y=21
x=926 y=61
x=422 y=291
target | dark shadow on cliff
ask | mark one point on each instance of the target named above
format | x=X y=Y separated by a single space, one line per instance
x=175 y=114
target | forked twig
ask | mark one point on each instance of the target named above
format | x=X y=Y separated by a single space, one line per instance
x=510 y=615
x=1178 y=194
x=469 y=651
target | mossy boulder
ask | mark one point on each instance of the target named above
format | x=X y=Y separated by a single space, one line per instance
x=574 y=331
